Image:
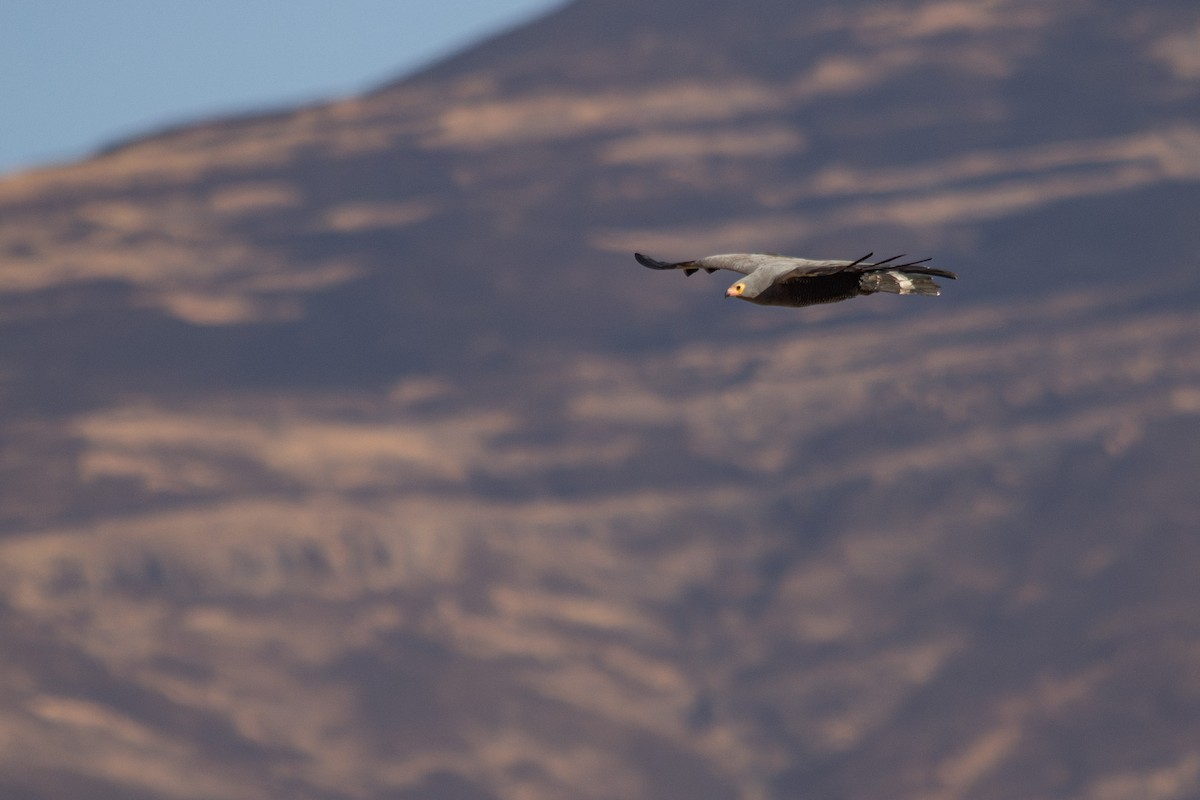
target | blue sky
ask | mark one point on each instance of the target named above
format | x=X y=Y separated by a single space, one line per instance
x=77 y=74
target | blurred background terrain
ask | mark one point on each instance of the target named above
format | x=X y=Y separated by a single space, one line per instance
x=347 y=453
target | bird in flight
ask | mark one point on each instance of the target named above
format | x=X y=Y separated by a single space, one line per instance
x=785 y=281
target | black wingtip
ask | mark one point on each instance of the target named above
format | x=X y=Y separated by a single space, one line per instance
x=886 y=261
x=688 y=267
x=647 y=261
x=907 y=266
x=941 y=273
x=916 y=268
x=858 y=261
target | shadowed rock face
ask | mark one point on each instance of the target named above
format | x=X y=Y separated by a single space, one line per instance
x=347 y=453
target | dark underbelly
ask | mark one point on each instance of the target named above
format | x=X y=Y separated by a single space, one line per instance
x=811 y=291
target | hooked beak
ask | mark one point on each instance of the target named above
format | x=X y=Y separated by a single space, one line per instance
x=735 y=290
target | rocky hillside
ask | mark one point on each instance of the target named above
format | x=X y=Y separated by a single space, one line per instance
x=346 y=452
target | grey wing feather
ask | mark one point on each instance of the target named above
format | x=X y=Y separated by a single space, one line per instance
x=688 y=267
x=743 y=263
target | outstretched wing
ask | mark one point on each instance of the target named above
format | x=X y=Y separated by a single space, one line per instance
x=688 y=267
x=742 y=263
x=787 y=268
x=808 y=268
x=816 y=269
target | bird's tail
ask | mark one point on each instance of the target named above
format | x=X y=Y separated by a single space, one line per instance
x=908 y=278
